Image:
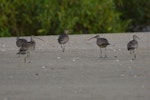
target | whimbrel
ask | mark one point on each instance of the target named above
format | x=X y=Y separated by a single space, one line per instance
x=27 y=48
x=102 y=43
x=63 y=39
x=132 y=46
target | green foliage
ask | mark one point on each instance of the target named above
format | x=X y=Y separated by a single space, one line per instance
x=4 y=33
x=86 y=16
x=47 y=17
x=138 y=11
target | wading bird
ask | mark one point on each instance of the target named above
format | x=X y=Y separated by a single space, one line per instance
x=63 y=39
x=27 y=48
x=102 y=43
x=132 y=46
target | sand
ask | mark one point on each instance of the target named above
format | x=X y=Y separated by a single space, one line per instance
x=78 y=73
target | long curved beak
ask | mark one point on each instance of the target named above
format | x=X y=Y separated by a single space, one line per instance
x=91 y=38
x=37 y=38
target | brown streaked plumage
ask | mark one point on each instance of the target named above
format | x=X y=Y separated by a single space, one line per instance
x=63 y=39
x=20 y=42
x=27 y=48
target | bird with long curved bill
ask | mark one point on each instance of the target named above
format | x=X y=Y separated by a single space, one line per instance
x=63 y=39
x=101 y=43
x=27 y=48
x=132 y=46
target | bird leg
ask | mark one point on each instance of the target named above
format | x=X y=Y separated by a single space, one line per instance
x=28 y=53
x=131 y=52
x=25 y=59
x=64 y=49
x=100 y=53
x=134 y=54
x=27 y=56
x=105 y=53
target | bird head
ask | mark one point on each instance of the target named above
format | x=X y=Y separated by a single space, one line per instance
x=135 y=37
x=17 y=38
x=66 y=31
x=97 y=36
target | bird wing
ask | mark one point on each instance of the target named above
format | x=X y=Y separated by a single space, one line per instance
x=21 y=42
x=103 y=41
x=132 y=45
x=63 y=38
x=22 y=50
